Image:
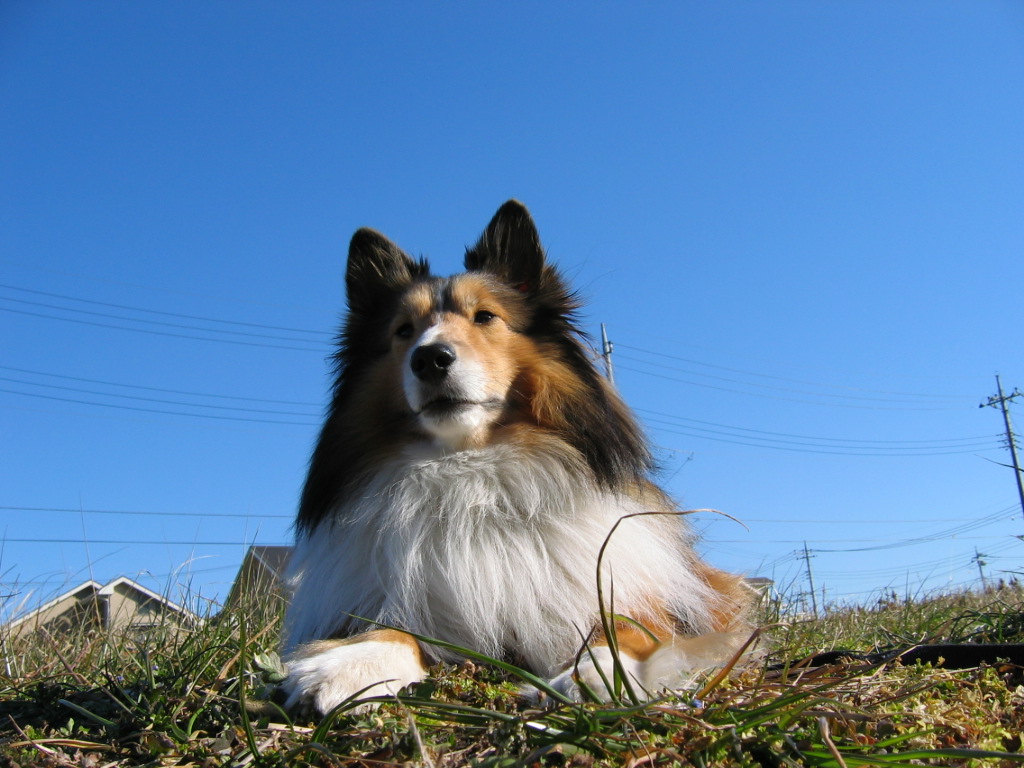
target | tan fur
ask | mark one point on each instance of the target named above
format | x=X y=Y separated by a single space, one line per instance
x=729 y=613
x=377 y=635
x=637 y=641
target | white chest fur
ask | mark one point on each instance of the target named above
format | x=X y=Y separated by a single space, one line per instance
x=493 y=549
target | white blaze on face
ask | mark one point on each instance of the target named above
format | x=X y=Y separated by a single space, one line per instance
x=460 y=404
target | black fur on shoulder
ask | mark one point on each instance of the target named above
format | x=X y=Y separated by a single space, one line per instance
x=377 y=274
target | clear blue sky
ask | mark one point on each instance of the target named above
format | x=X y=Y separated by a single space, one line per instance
x=802 y=223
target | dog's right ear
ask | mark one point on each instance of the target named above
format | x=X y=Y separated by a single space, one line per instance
x=376 y=269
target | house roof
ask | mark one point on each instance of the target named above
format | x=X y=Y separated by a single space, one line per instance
x=273 y=558
x=110 y=586
x=93 y=589
x=262 y=568
x=81 y=592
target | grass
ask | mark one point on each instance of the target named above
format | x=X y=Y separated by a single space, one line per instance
x=203 y=697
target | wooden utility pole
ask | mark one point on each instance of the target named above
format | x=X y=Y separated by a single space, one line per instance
x=1001 y=400
x=810 y=580
x=981 y=567
x=606 y=353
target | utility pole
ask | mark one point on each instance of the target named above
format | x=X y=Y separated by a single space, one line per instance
x=810 y=579
x=606 y=353
x=981 y=567
x=1001 y=400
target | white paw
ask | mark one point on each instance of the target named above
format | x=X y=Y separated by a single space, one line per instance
x=674 y=666
x=323 y=675
x=679 y=662
x=588 y=678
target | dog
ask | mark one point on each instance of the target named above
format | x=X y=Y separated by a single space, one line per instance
x=472 y=467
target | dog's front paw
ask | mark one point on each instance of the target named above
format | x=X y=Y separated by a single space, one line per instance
x=324 y=674
x=591 y=678
x=678 y=663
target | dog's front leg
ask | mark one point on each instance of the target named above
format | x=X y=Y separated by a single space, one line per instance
x=323 y=674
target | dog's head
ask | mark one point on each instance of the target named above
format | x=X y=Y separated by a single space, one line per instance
x=462 y=348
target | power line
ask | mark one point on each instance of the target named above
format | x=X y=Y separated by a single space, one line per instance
x=930 y=565
x=207 y=515
x=152 y=332
x=765 y=396
x=888 y=542
x=789 y=390
x=927 y=565
x=80 y=390
x=848 y=521
x=158 y=410
x=948 y=533
x=161 y=323
x=804 y=447
x=952 y=533
x=133 y=542
x=780 y=378
x=160 y=389
x=867 y=443
x=248 y=515
x=159 y=312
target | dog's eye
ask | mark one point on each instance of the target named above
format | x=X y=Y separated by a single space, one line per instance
x=483 y=317
x=404 y=331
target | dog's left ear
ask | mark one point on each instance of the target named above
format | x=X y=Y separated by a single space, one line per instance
x=510 y=249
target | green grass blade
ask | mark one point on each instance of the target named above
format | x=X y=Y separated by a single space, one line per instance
x=87 y=714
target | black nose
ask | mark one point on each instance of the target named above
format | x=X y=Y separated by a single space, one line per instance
x=431 y=362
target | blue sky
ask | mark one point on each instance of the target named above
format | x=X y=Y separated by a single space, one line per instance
x=801 y=223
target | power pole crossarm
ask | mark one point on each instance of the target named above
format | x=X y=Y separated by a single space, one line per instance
x=1000 y=400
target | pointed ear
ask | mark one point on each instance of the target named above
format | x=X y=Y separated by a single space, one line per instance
x=510 y=249
x=377 y=268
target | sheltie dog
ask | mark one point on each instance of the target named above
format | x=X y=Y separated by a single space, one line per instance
x=472 y=466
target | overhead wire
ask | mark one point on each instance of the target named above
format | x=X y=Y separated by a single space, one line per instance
x=205 y=515
x=756 y=432
x=996 y=517
x=169 y=334
x=948 y=533
x=778 y=378
x=767 y=438
x=161 y=323
x=804 y=401
x=140 y=409
x=80 y=390
x=132 y=542
x=187 y=393
x=789 y=390
x=147 y=310
x=806 y=447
